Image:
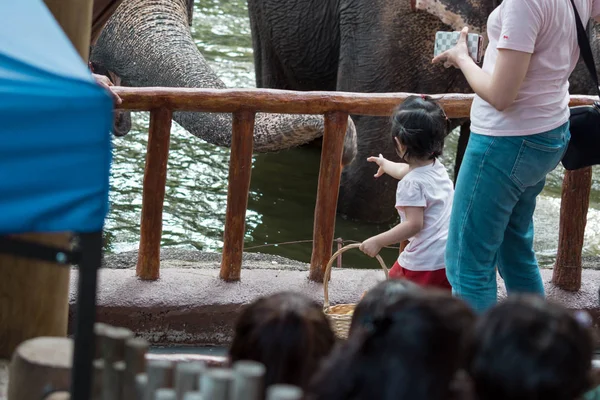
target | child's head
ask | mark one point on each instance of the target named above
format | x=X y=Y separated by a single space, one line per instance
x=410 y=351
x=419 y=127
x=377 y=299
x=526 y=348
x=288 y=333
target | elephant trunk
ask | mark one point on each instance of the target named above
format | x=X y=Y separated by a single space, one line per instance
x=148 y=43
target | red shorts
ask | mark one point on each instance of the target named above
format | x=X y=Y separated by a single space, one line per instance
x=435 y=278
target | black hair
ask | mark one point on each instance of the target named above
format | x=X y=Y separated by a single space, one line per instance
x=528 y=349
x=288 y=333
x=421 y=125
x=377 y=299
x=411 y=351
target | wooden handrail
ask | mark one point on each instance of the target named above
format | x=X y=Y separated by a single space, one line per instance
x=288 y=102
x=335 y=106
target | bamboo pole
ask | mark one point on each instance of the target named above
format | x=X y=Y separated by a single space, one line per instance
x=248 y=380
x=574 y=205
x=97 y=379
x=193 y=396
x=240 y=170
x=155 y=179
x=187 y=377
x=112 y=382
x=164 y=394
x=289 y=102
x=327 y=193
x=215 y=384
x=284 y=392
x=135 y=361
x=160 y=375
x=141 y=386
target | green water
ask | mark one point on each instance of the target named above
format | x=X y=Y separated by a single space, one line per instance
x=283 y=188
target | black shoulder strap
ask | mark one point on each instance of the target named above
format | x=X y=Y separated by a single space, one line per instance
x=38 y=251
x=584 y=46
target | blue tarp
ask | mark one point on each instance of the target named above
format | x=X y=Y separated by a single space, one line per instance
x=54 y=128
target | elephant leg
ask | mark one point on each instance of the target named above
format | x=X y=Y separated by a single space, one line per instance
x=463 y=140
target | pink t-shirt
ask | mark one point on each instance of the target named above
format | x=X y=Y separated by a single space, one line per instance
x=546 y=29
x=429 y=187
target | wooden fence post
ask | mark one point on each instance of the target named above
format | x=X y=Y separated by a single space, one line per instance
x=327 y=193
x=155 y=179
x=240 y=170
x=573 y=218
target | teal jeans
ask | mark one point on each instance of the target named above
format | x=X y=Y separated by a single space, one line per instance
x=492 y=216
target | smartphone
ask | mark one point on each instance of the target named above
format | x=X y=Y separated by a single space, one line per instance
x=447 y=40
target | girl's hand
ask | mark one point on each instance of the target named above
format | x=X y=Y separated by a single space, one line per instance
x=381 y=161
x=371 y=246
x=452 y=57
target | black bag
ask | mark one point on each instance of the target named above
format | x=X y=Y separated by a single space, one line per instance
x=584 y=147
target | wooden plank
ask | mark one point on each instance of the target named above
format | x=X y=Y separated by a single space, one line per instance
x=240 y=169
x=155 y=178
x=288 y=102
x=327 y=193
x=574 y=206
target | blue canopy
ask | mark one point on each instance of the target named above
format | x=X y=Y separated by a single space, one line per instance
x=55 y=126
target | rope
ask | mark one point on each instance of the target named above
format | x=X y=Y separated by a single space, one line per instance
x=304 y=241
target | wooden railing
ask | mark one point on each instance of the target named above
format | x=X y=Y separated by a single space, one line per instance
x=335 y=106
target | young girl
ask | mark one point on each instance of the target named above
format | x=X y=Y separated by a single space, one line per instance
x=424 y=194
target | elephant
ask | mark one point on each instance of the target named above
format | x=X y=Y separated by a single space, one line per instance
x=149 y=43
x=368 y=46
x=345 y=45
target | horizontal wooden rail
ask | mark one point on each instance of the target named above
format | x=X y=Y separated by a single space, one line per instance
x=335 y=106
x=288 y=102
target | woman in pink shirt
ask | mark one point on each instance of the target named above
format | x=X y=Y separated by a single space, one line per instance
x=520 y=131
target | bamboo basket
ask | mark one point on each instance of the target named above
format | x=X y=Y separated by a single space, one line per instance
x=340 y=315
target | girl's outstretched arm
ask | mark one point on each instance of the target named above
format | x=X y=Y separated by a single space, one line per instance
x=399 y=233
x=395 y=170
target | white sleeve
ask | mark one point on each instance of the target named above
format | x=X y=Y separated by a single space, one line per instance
x=410 y=194
x=521 y=23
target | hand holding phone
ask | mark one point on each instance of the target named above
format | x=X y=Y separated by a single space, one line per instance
x=444 y=41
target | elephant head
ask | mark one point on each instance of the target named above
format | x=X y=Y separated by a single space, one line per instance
x=460 y=13
x=148 y=43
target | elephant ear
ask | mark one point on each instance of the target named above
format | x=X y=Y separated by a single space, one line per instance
x=459 y=13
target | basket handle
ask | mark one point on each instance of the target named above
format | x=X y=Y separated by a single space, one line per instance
x=330 y=263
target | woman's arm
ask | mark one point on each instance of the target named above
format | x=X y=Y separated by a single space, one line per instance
x=500 y=89
x=405 y=230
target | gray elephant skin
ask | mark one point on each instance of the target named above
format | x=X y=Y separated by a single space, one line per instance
x=346 y=45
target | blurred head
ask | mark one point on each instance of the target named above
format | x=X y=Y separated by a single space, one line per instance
x=288 y=333
x=526 y=348
x=419 y=127
x=410 y=351
x=377 y=299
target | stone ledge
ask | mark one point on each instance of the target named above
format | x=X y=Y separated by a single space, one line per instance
x=188 y=306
